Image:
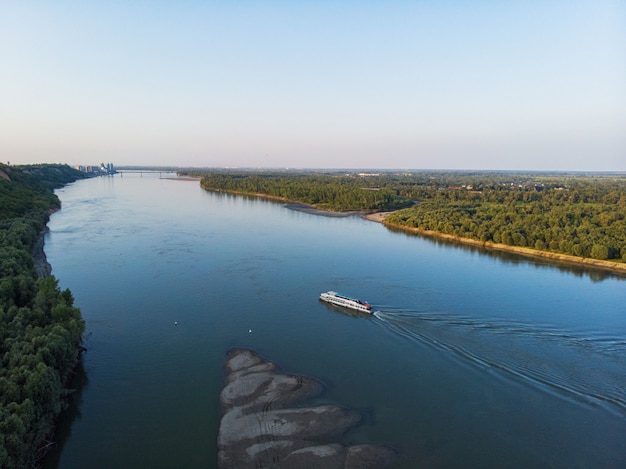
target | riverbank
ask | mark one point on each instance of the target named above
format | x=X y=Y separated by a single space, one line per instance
x=298 y=206
x=324 y=213
x=184 y=178
x=614 y=267
x=40 y=261
x=380 y=217
x=36 y=379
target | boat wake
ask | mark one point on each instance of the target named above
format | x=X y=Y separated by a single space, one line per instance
x=589 y=369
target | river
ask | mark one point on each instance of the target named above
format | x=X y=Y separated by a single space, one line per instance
x=472 y=359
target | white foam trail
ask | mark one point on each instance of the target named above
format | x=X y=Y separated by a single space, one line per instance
x=520 y=350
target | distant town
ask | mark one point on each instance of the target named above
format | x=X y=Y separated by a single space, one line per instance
x=102 y=170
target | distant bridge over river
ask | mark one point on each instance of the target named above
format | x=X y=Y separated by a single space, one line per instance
x=121 y=172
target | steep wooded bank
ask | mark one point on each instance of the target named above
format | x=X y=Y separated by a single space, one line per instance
x=574 y=214
x=40 y=329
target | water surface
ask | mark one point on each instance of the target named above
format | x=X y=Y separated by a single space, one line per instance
x=471 y=360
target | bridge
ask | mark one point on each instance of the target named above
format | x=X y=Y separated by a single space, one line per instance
x=142 y=171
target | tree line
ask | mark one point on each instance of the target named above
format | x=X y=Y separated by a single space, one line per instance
x=40 y=328
x=576 y=215
x=322 y=191
x=570 y=213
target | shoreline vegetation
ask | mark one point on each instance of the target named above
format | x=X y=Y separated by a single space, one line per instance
x=40 y=328
x=614 y=267
x=563 y=218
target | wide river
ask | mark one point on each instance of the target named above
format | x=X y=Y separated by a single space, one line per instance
x=473 y=359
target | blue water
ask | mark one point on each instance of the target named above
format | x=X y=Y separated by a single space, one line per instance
x=472 y=359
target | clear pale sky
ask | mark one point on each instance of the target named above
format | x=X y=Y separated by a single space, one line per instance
x=538 y=85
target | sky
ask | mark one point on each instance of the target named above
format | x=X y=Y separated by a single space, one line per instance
x=440 y=84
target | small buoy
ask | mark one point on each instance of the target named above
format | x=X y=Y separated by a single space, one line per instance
x=176 y=323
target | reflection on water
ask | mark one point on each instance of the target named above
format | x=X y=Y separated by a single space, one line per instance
x=63 y=430
x=353 y=313
x=594 y=274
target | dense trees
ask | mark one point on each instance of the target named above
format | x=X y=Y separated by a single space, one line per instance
x=40 y=329
x=575 y=214
x=323 y=191
x=579 y=216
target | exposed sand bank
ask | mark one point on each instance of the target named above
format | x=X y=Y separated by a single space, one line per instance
x=323 y=213
x=184 y=178
x=271 y=419
x=378 y=217
x=41 y=264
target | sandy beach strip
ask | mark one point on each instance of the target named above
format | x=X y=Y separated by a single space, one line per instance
x=615 y=267
x=184 y=178
x=323 y=213
x=378 y=217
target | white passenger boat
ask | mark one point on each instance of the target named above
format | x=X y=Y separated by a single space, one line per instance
x=346 y=301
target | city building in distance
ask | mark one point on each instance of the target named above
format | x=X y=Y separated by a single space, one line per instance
x=102 y=170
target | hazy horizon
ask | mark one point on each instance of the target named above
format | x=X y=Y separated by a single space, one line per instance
x=478 y=85
x=165 y=167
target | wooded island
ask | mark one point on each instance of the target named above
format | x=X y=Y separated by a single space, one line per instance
x=576 y=214
x=40 y=329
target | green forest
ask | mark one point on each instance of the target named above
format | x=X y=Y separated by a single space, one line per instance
x=577 y=214
x=40 y=328
x=322 y=191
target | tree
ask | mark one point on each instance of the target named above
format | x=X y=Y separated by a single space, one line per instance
x=599 y=251
x=40 y=329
